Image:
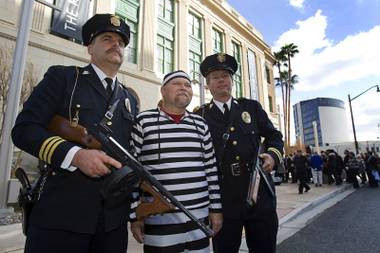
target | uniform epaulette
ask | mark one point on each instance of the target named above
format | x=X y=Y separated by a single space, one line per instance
x=202 y=107
x=242 y=99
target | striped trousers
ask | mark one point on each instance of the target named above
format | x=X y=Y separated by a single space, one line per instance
x=174 y=233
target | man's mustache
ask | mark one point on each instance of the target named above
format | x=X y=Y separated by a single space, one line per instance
x=114 y=50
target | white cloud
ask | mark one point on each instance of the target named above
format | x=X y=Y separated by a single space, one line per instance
x=323 y=64
x=366 y=115
x=297 y=3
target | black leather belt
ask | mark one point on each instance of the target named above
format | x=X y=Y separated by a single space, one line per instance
x=237 y=169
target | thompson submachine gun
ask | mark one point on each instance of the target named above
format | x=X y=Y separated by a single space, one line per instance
x=100 y=136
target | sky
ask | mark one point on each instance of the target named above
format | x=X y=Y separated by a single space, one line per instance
x=339 y=44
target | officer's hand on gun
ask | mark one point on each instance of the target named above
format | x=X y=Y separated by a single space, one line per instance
x=94 y=163
x=268 y=162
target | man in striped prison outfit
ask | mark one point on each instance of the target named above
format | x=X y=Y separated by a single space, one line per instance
x=176 y=145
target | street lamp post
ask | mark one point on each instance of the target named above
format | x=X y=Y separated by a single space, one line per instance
x=352 y=116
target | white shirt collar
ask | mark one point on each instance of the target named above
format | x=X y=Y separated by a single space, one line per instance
x=220 y=104
x=102 y=76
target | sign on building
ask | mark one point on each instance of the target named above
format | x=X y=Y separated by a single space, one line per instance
x=68 y=22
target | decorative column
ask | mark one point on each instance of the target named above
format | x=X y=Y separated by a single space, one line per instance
x=207 y=36
x=148 y=33
x=182 y=53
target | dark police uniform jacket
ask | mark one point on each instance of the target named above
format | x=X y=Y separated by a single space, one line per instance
x=71 y=201
x=245 y=134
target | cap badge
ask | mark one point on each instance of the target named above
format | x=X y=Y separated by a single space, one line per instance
x=115 y=21
x=221 y=57
x=246 y=117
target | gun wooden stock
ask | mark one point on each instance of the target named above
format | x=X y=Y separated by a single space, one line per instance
x=78 y=134
x=159 y=205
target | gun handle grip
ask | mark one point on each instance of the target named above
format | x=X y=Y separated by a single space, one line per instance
x=159 y=205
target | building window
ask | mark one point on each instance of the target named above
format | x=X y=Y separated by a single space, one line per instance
x=270 y=99
x=195 y=46
x=194 y=62
x=165 y=10
x=252 y=75
x=217 y=41
x=267 y=74
x=165 y=36
x=129 y=10
x=238 y=85
x=195 y=26
x=165 y=54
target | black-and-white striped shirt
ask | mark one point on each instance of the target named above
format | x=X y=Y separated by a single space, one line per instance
x=180 y=156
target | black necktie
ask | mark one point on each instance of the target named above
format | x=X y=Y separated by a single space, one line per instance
x=109 y=90
x=226 y=112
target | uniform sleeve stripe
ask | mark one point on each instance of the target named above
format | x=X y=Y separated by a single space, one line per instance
x=278 y=153
x=44 y=144
x=51 y=148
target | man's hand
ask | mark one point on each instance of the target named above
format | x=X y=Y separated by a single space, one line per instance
x=216 y=222
x=137 y=229
x=94 y=163
x=268 y=162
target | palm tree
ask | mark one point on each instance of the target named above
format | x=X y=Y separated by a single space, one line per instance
x=279 y=82
x=289 y=50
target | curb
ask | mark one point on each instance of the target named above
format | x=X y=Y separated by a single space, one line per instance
x=12 y=239
x=302 y=209
x=10 y=230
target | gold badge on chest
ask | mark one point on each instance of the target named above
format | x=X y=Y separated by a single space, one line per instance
x=246 y=117
x=127 y=104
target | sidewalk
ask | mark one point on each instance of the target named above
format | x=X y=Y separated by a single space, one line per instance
x=290 y=204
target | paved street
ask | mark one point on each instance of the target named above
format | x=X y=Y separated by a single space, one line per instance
x=290 y=205
x=352 y=225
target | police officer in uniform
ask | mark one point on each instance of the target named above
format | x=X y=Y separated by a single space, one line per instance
x=71 y=215
x=237 y=126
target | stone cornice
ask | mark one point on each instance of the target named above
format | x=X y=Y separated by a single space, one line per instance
x=231 y=17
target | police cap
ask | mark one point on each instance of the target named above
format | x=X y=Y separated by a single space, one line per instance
x=219 y=61
x=101 y=23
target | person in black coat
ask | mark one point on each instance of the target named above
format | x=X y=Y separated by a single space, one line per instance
x=236 y=127
x=71 y=215
x=301 y=165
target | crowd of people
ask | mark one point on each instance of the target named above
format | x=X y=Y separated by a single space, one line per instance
x=329 y=167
